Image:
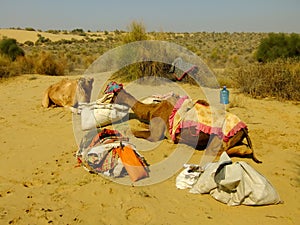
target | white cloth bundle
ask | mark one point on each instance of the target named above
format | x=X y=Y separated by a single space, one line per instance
x=102 y=114
x=234 y=184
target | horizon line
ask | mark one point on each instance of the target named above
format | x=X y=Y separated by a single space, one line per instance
x=152 y=31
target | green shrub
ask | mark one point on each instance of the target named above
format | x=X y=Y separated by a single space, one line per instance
x=10 y=48
x=278 y=46
x=78 y=31
x=29 y=29
x=29 y=43
x=42 y=40
x=53 y=31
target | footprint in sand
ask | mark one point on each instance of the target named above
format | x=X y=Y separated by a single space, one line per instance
x=3 y=212
x=139 y=215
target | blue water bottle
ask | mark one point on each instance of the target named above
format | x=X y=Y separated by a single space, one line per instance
x=224 y=96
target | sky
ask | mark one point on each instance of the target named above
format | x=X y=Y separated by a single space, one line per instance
x=156 y=15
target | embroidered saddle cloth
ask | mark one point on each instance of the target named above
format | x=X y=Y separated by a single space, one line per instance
x=187 y=114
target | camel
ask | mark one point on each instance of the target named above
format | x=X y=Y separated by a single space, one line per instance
x=68 y=93
x=157 y=116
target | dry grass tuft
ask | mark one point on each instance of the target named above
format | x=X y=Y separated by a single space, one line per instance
x=50 y=65
x=279 y=79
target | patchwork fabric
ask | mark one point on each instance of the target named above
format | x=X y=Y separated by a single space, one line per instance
x=101 y=160
x=113 y=87
x=188 y=114
x=181 y=68
x=103 y=154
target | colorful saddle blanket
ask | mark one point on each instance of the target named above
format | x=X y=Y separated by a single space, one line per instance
x=109 y=153
x=181 y=68
x=187 y=114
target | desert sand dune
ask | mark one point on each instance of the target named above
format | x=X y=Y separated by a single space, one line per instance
x=23 y=35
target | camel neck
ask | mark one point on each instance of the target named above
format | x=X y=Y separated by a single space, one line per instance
x=141 y=110
x=126 y=98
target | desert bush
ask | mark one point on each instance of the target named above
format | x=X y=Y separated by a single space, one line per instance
x=25 y=65
x=42 y=40
x=29 y=43
x=279 y=79
x=29 y=29
x=278 y=46
x=53 y=31
x=223 y=77
x=78 y=31
x=4 y=66
x=48 y=64
x=10 y=48
x=137 y=32
x=140 y=70
x=10 y=68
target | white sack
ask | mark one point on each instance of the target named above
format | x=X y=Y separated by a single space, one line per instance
x=235 y=184
x=102 y=114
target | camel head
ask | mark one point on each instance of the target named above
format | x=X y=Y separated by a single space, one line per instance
x=84 y=89
x=120 y=95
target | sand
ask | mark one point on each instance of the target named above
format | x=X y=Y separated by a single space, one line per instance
x=40 y=183
x=23 y=35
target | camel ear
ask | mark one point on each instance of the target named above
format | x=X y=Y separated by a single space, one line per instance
x=81 y=80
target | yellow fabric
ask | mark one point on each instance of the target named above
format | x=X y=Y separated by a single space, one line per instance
x=203 y=115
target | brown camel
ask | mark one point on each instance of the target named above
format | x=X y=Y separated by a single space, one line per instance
x=157 y=116
x=68 y=92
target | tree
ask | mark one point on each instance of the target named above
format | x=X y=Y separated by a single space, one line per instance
x=294 y=45
x=278 y=46
x=10 y=48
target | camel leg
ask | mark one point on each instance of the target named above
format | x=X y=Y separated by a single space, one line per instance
x=240 y=150
x=142 y=134
x=156 y=130
x=235 y=146
x=234 y=141
x=214 y=148
x=46 y=101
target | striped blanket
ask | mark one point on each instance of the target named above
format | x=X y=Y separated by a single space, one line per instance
x=188 y=114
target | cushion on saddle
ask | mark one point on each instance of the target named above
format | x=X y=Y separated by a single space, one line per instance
x=113 y=87
x=187 y=114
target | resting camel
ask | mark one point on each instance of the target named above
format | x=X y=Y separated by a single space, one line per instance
x=157 y=116
x=68 y=92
